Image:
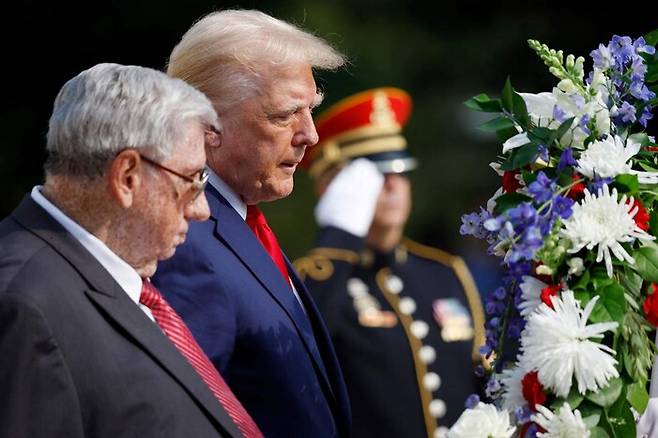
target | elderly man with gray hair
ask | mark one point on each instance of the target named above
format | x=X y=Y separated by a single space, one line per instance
x=89 y=347
x=230 y=281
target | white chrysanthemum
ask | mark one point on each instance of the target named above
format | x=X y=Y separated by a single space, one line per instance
x=510 y=380
x=556 y=343
x=483 y=421
x=566 y=424
x=604 y=221
x=530 y=294
x=609 y=158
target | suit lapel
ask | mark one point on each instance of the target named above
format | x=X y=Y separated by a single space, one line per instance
x=115 y=304
x=232 y=230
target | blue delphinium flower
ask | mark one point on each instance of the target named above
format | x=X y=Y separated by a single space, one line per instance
x=562 y=207
x=597 y=183
x=542 y=188
x=622 y=61
x=566 y=160
x=472 y=401
x=624 y=115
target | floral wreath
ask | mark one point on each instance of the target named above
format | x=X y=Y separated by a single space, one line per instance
x=574 y=223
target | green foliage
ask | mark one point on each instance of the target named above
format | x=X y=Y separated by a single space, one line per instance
x=626 y=184
x=497 y=124
x=636 y=348
x=606 y=397
x=520 y=157
x=652 y=37
x=571 y=70
x=620 y=418
x=509 y=200
x=574 y=399
x=646 y=261
x=637 y=396
x=484 y=103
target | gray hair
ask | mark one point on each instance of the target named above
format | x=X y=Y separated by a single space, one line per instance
x=227 y=54
x=111 y=107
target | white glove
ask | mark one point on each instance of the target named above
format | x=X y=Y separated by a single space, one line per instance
x=350 y=199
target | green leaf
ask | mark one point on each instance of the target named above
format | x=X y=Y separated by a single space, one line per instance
x=582 y=296
x=540 y=135
x=626 y=184
x=561 y=130
x=497 y=124
x=599 y=313
x=607 y=396
x=652 y=37
x=504 y=134
x=520 y=110
x=510 y=200
x=646 y=261
x=507 y=96
x=520 y=157
x=582 y=282
x=637 y=396
x=484 y=103
x=574 y=399
x=601 y=282
x=598 y=432
x=620 y=418
x=612 y=298
x=591 y=420
x=653 y=222
x=632 y=282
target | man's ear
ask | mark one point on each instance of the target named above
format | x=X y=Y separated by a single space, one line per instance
x=124 y=177
x=213 y=138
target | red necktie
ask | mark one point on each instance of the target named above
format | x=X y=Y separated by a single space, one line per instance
x=258 y=224
x=180 y=335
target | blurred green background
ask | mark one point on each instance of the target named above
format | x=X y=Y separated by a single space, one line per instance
x=440 y=54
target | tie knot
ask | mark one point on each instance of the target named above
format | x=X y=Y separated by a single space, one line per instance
x=150 y=296
x=255 y=216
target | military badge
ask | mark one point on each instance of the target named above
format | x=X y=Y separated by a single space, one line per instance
x=454 y=320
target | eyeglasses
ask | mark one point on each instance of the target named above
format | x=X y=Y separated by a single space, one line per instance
x=197 y=185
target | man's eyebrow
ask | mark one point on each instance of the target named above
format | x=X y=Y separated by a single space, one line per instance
x=319 y=97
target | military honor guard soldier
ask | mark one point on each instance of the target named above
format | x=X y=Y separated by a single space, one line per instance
x=406 y=319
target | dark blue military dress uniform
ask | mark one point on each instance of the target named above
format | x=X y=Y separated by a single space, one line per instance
x=406 y=326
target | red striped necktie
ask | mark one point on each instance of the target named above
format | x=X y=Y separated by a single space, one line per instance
x=174 y=327
x=256 y=221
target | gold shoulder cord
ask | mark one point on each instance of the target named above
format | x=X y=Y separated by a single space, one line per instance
x=415 y=344
x=468 y=284
x=318 y=263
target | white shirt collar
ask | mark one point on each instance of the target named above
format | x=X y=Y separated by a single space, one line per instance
x=122 y=272
x=229 y=194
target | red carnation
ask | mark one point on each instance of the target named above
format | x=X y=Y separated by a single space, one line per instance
x=642 y=216
x=650 y=306
x=576 y=191
x=548 y=292
x=510 y=183
x=532 y=390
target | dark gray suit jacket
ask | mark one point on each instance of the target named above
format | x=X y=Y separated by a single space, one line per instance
x=78 y=358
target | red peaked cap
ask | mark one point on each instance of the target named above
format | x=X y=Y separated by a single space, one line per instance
x=367 y=124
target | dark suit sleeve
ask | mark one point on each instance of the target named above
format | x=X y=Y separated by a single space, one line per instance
x=37 y=395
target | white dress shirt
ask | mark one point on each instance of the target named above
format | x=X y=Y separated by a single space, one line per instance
x=238 y=205
x=122 y=272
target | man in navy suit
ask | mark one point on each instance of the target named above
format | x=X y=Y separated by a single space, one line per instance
x=81 y=354
x=244 y=303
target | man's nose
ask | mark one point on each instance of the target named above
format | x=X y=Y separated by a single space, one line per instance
x=198 y=209
x=306 y=134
